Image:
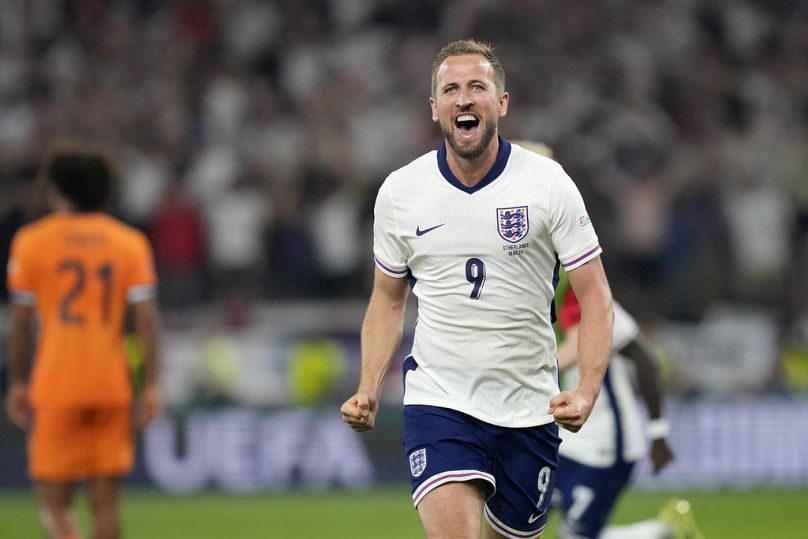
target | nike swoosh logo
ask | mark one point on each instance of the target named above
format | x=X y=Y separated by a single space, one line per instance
x=419 y=232
x=533 y=519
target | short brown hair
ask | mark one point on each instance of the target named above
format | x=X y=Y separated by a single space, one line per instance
x=469 y=46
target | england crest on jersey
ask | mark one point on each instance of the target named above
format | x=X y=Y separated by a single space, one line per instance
x=418 y=462
x=512 y=223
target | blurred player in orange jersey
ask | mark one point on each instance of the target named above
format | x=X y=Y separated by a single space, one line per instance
x=79 y=271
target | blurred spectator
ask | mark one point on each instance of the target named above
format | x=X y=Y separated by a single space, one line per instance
x=291 y=258
x=695 y=260
x=237 y=223
x=333 y=227
x=143 y=183
x=177 y=233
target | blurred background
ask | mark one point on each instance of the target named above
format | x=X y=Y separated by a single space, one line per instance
x=251 y=137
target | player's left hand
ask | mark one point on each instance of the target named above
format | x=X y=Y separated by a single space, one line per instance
x=149 y=405
x=359 y=411
x=570 y=409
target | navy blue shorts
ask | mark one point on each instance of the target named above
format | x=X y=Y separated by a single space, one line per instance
x=518 y=464
x=587 y=495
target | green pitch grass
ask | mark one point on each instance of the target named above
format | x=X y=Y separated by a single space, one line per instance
x=387 y=514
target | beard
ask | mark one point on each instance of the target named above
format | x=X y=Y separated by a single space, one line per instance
x=475 y=151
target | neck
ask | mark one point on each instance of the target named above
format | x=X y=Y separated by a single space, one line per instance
x=470 y=171
x=57 y=202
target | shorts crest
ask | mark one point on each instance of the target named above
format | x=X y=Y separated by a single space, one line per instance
x=418 y=462
x=512 y=223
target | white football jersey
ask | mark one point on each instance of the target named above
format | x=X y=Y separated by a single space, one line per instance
x=482 y=262
x=615 y=418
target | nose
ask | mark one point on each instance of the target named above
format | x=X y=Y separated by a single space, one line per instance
x=463 y=99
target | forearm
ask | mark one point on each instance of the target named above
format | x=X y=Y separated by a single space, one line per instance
x=382 y=331
x=19 y=345
x=145 y=326
x=594 y=345
x=641 y=353
x=149 y=341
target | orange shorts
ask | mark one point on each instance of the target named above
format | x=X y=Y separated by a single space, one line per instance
x=71 y=444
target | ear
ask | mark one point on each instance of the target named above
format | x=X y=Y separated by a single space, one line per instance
x=503 y=104
x=434 y=106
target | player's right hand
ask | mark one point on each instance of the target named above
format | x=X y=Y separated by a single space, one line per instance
x=359 y=411
x=17 y=406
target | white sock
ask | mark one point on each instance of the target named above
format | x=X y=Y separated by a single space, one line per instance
x=652 y=528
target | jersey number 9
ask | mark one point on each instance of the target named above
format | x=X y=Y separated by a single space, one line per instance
x=475 y=274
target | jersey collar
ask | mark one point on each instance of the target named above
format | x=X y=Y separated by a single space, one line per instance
x=499 y=165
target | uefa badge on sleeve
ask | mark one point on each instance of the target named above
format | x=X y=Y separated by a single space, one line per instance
x=512 y=223
x=418 y=462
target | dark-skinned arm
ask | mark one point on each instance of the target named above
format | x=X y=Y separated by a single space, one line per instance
x=641 y=353
x=145 y=319
x=20 y=339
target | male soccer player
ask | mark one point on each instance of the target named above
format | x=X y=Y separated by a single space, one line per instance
x=78 y=270
x=478 y=228
x=595 y=463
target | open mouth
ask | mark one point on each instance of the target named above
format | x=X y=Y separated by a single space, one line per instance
x=467 y=124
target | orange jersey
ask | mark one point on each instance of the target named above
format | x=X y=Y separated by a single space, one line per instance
x=80 y=271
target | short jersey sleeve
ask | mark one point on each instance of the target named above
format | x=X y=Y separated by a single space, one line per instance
x=571 y=230
x=389 y=250
x=22 y=269
x=142 y=279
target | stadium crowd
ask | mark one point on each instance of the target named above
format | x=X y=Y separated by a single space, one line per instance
x=252 y=135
